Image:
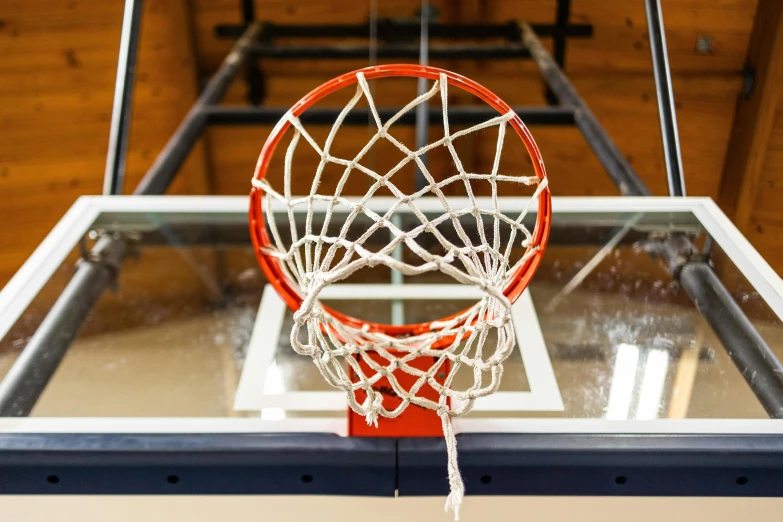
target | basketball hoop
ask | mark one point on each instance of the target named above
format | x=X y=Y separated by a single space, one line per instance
x=354 y=354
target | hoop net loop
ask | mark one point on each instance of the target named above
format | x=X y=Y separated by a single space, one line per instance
x=476 y=340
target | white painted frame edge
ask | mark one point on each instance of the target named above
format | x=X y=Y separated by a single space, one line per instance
x=544 y=393
x=36 y=271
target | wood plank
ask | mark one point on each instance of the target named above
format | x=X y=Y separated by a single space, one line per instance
x=770 y=187
x=766 y=223
x=58 y=62
x=765 y=233
x=687 y=368
x=754 y=118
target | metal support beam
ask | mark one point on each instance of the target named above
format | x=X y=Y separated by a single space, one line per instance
x=559 y=39
x=351 y=52
x=396 y=30
x=422 y=116
x=663 y=88
x=461 y=115
x=237 y=235
x=624 y=177
x=248 y=12
x=563 y=13
x=749 y=352
x=119 y=130
x=159 y=176
x=254 y=76
x=754 y=359
x=32 y=370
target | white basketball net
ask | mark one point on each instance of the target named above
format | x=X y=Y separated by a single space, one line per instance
x=311 y=262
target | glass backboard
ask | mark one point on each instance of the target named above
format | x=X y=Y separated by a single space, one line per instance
x=191 y=329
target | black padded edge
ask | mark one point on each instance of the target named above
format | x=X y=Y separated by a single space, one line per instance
x=574 y=464
x=312 y=463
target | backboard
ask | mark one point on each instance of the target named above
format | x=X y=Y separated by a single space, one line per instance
x=188 y=355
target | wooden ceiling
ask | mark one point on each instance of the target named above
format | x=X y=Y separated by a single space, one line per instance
x=58 y=62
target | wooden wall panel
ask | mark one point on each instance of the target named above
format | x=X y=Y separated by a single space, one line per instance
x=765 y=230
x=57 y=72
x=58 y=62
x=621 y=43
x=753 y=167
x=612 y=72
x=770 y=192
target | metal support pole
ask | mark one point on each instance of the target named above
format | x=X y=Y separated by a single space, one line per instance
x=248 y=12
x=559 y=42
x=119 y=130
x=754 y=359
x=663 y=87
x=460 y=115
x=160 y=175
x=422 y=131
x=31 y=372
x=397 y=30
x=422 y=110
x=561 y=22
x=254 y=76
x=618 y=168
x=401 y=51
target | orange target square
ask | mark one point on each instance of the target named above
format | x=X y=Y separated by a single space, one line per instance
x=415 y=421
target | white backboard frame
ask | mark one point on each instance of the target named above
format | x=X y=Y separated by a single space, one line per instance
x=544 y=394
x=89 y=210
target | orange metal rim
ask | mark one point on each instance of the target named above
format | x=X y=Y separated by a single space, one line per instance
x=518 y=281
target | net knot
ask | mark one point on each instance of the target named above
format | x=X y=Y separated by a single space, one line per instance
x=301 y=316
x=317 y=280
x=454 y=502
x=372 y=406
